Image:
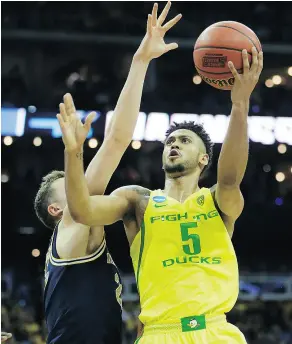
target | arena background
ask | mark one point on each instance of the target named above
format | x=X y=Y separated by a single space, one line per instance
x=50 y=48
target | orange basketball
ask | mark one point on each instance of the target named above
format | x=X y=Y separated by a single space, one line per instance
x=218 y=44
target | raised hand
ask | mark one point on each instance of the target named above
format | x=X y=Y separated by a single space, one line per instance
x=153 y=45
x=74 y=132
x=245 y=83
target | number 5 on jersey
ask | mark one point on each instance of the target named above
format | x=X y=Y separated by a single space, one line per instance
x=195 y=246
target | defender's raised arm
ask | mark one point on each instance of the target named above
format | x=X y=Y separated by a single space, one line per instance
x=120 y=133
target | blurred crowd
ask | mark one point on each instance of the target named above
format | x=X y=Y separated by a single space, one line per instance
x=261 y=322
x=93 y=87
x=124 y=17
x=95 y=72
x=264 y=322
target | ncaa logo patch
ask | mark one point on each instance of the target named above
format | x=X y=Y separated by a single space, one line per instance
x=200 y=200
x=159 y=199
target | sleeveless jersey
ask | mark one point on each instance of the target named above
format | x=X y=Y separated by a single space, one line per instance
x=82 y=298
x=183 y=259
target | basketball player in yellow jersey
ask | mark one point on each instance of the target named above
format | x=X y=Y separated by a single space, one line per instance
x=180 y=237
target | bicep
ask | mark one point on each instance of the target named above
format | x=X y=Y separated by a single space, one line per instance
x=230 y=200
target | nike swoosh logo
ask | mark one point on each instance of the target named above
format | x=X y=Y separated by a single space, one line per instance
x=159 y=206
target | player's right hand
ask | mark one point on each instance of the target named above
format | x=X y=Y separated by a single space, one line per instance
x=153 y=44
x=5 y=336
x=74 y=132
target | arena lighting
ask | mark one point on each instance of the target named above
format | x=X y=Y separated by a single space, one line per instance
x=13 y=121
x=289 y=71
x=282 y=148
x=72 y=79
x=49 y=122
x=266 y=130
x=8 y=140
x=280 y=177
x=37 y=141
x=255 y=109
x=277 y=79
x=279 y=201
x=35 y=252
x=267 y=168
x=32 y=109
x=269 y=83
x=4 y=177
x=26 y=230
x=150 y=127
x=197 y=79
x=136 y=144
x=92 y=143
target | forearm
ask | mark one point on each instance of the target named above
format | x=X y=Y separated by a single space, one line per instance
x=127 y=109
x=102 y=167
x=121 y=130
x=234 y=153
x=78 y=197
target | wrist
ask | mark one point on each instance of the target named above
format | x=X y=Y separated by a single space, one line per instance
x=74 y=151
x=242 y=104
x=140 y=59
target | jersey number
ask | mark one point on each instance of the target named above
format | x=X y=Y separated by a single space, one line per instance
x=195 y=246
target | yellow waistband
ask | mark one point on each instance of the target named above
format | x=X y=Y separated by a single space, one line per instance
x=187 y=324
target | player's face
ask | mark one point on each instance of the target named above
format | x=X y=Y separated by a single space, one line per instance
x=58 y=198
x=183 y=152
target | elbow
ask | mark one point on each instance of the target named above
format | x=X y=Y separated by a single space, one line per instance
x=229 y=181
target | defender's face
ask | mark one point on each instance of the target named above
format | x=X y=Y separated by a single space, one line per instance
x=58 y=198
x=182 y=151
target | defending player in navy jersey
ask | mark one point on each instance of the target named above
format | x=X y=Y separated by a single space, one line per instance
x=82 y=285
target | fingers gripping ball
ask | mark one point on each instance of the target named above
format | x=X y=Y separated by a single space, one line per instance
x=217 y=45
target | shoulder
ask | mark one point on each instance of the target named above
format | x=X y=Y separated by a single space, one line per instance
x=137 y=198
x=132 y=192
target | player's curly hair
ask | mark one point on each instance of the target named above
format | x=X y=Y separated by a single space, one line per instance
x=200 y=131
x=44 y=198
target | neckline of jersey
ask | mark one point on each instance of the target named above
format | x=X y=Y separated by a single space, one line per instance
x=191 y=195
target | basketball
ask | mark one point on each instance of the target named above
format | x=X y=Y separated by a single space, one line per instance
x=217 y=45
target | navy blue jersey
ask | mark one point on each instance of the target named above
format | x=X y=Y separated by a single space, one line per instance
x=82 y=298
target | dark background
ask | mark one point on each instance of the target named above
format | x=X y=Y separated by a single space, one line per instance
x=85 y=48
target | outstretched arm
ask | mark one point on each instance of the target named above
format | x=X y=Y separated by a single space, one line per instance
x=122 y=126
x=119 y=135
x=152 y=46
x=86 y=209
x=73 y=240
x=234 y=153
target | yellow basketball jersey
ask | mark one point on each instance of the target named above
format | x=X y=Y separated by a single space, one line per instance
x=183 y=259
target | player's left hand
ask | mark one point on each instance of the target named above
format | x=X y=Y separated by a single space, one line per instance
x=153 y=45
x=245 y=83
x=5 y=336
x=74 y=132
